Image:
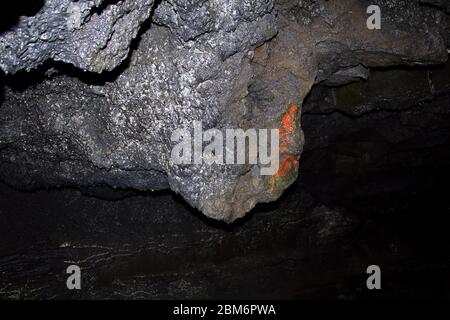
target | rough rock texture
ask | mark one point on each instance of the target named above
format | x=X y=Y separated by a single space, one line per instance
x=92 y=35
x=373 y=188
x=238 y=64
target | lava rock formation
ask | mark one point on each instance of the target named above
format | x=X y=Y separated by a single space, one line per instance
x=154 y=66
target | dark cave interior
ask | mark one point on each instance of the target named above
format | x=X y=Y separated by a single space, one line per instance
x=373 y=188
x=363 y=197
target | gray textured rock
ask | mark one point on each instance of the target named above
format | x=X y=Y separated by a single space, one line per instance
x=238 y=64
x=92 y=35
x=118 y=133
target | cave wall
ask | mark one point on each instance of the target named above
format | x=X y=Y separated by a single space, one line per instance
x=135 y=71
x=94 y=89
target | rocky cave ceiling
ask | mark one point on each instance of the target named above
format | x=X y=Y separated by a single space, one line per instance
x=94 y=89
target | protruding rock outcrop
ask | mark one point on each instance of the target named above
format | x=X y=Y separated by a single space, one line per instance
x=229 y=64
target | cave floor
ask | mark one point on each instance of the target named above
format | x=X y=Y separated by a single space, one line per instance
x=315 y=242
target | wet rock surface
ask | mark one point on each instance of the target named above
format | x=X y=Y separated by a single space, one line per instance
x=366 y=195
x=91 y=35
x=85 y=149
x=229 y=64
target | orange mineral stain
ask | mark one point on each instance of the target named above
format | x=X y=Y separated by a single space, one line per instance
x=288 y=119
x=287 y=164
x=287 y=127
